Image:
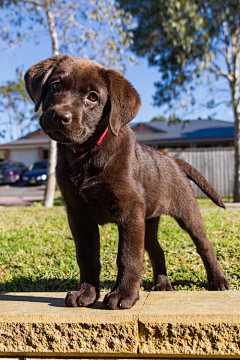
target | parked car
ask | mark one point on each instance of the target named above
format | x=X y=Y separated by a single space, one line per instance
x=11 y=172
x=36 y=174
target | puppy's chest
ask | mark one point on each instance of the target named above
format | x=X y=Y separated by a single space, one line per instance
x=93 y=198
x=87 y=180
x=85 y=188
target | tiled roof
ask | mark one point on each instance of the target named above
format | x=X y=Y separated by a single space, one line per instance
x=194 y=129
x=32 y=140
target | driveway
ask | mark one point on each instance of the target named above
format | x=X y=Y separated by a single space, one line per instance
x=20 y=195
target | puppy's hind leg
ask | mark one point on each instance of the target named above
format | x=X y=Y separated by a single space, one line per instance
x=156 y=255
x=190 y=219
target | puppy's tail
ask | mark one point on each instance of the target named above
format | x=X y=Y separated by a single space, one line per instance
x=200 y=181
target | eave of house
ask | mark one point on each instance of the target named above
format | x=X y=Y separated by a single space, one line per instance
x=27 y=143
x=197 y=130
x=185 y=141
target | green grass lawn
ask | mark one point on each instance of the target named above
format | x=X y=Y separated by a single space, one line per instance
x=38 y=254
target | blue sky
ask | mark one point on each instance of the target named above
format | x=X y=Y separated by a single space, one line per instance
x=140 y=75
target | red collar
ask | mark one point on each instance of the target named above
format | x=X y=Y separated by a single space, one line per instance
x=93 y=145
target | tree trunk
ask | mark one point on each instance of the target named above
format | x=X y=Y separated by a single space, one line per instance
x=51 y=183
x=236 y=107
x=236 y=191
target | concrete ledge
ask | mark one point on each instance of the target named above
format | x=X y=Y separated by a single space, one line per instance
x=190 y=323
x=162 y=325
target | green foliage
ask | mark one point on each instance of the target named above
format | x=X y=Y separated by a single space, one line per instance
x=15 y=101
x=192 y=42
x=15 y=90
x=159 y=118
x=38 y=253
x=96 y=29
x=172 y=119
x=184 y=38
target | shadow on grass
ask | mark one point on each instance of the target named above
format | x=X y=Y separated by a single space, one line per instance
x=58 y=202
x=177 y=285
x=23 y=284
x=190 y=284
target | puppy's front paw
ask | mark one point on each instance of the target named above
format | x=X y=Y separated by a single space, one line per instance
x=219 y=283
x=162 y=284
x=85 y=296
x=120 y=300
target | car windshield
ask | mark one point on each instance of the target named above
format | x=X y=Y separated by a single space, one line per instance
x=38 y=166
x=4 y=167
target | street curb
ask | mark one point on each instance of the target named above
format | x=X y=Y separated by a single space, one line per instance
x=162 y=324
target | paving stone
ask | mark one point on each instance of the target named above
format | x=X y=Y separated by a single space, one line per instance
x=161 y=324
x=190 y=323
x=41 y=323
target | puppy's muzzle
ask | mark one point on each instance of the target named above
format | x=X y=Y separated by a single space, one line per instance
x=62 y=116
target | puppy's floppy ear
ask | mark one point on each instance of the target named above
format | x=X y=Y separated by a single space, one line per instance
x=125 y=101
x=37 y=76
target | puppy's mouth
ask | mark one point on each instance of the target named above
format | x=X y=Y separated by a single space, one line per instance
x=66 y=139
x=72 y=136
x=59 y=137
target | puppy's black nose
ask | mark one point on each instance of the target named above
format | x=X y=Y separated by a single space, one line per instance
x=65 y=117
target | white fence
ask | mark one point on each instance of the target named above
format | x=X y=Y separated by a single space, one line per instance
x=215 y=164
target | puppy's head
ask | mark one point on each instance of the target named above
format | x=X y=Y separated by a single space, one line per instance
x=79 y=95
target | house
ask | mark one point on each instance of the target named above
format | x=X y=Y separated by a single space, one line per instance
x=158 y=134
x=185 y=134
x=28 y=149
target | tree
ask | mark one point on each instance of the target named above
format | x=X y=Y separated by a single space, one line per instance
x=159 y=118
x=187 y=39
x=96 y=29
x=174 y=119
x=16 y=103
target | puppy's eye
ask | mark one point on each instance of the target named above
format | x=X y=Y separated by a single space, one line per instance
x=56 y=85
x=93 y=97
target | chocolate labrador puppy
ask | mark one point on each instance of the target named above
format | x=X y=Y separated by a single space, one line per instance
x=105 y=176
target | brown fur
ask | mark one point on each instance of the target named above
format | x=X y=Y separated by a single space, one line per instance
x=120 y=181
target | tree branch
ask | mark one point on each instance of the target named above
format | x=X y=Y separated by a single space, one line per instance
x=75 y=23
x=218 y=71
x=213 y=106
x=33 y=2
x=52 y=28
x=225 y=31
